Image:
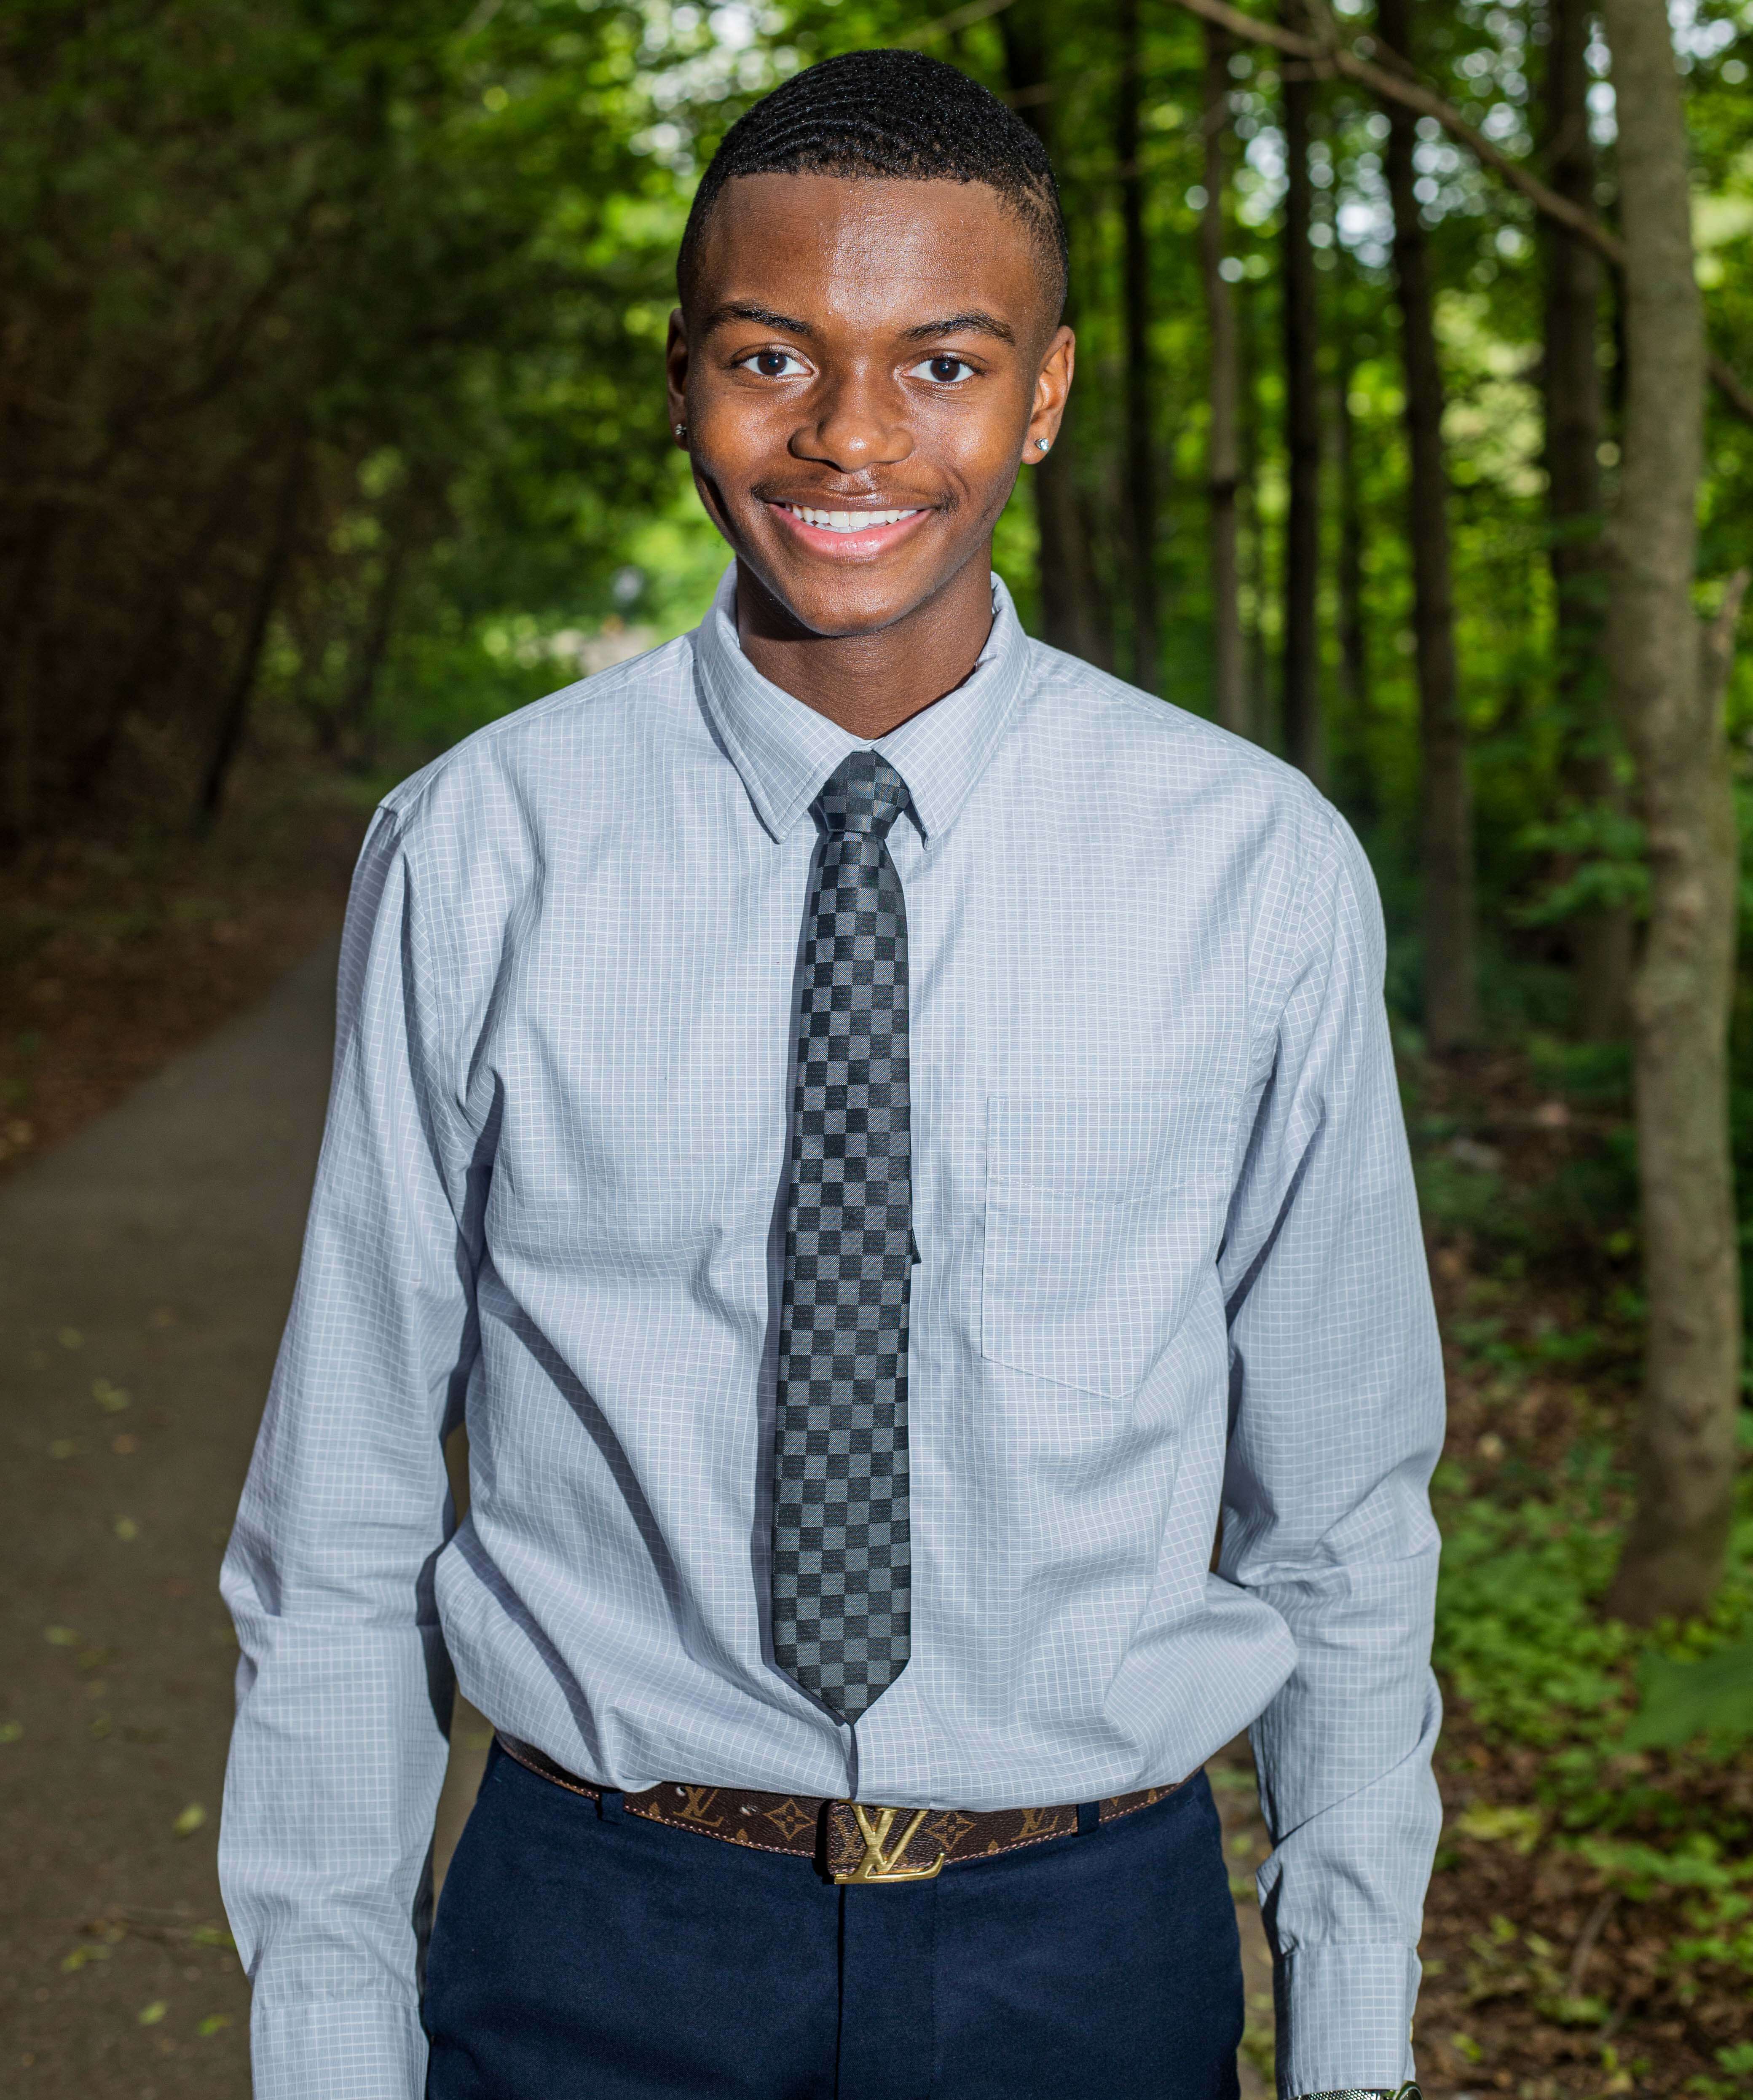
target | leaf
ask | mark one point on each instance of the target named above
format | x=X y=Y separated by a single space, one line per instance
x=151 y=2015
x=70 y=1338
x=112 y=1399
x=1495 y=1823
x=12 y=1731
x=212 y=2024
x=212 y=1935
x=190 y=1820
x=1641 y=1869
x=126 y=1529
x=1576 y=2012
x=1680 y=1700
x=60 y=1637
x=72 y=1964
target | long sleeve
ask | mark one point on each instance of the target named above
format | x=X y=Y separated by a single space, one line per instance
x=1336 y=1422
x=344 y=1689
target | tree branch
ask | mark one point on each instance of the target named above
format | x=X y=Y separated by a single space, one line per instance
x=958 y=18
x=1717 y=641
x=1730 y=385
x=1329 y=56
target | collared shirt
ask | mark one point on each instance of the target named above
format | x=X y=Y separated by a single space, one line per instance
x=1170 y=1265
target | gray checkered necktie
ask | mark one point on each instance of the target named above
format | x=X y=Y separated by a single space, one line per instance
x=842 y=1559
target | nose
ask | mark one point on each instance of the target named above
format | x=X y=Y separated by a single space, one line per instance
x=860 y=421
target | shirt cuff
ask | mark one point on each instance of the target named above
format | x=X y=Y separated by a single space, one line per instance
x=337 y=2048
x=1344 y=2016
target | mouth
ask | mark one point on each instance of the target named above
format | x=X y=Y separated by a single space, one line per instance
x=845 y=534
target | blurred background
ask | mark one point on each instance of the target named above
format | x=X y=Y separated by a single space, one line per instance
x=332 y=427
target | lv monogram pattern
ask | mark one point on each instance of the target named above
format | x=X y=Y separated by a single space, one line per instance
x=841 y=1583
x=827 y=1831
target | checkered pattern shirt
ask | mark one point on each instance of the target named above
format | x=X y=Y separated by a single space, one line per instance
x=1170 y=1268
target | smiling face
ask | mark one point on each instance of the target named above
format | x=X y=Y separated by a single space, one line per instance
x=861 y=367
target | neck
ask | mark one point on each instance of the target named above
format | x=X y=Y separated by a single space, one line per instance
x=870 y=683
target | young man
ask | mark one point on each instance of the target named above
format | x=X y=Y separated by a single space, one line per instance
x=884 y=1132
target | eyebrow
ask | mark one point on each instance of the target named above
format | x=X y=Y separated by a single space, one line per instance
x=745 y=309
x=972 y=323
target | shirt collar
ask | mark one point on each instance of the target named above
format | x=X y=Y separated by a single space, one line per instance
x=785 y=750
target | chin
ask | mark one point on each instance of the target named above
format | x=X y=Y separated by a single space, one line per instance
x=839 y=613
x=839 y=602
x=843 y=603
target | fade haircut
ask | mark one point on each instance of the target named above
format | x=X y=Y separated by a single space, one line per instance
x=893 y=115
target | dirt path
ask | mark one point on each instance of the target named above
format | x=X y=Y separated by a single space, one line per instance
x=144 y=1274
x=145 y=1269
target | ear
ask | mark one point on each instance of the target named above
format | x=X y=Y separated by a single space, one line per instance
x=676 y=369
x=1052 y=385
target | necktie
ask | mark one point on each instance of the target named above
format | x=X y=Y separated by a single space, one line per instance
x=841 y=1563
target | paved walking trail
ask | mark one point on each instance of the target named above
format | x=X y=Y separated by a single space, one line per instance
x=145 y=1270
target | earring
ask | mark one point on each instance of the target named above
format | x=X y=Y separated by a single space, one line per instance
x=681 y=432
x=1042 y=444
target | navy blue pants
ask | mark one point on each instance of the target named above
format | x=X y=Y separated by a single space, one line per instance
x=583 y=1954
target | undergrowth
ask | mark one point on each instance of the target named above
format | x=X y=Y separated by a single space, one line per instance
x=1598 y=1775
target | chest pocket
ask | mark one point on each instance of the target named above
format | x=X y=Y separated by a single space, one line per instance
x=1104 y=1214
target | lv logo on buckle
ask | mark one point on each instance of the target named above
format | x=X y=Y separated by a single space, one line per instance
x=881 y=1857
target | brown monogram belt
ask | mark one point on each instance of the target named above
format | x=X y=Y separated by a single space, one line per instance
x=850 y=1842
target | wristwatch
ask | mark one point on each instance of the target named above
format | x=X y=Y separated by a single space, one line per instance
x=1408 y=2091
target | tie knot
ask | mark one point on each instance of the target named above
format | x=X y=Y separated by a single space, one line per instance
x=864 y=794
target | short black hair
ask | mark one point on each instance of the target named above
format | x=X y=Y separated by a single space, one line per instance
x=893 y=114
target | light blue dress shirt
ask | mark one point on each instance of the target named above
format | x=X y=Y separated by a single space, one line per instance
x=1170 y=1263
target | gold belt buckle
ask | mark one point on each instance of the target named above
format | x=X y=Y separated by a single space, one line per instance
x=881 y=1860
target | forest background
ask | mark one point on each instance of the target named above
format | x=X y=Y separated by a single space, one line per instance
x=331 y=427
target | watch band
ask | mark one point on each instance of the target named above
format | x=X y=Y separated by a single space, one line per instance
x=1409 y=2091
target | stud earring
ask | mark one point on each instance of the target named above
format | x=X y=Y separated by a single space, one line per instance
x=681 y=432
x=1042 y=444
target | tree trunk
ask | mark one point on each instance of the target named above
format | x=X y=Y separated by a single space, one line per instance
x=1253 y=542
x=1073 y=608
x=158 y=635
x=1135 y=299
x=1452 y=1011
x=1354 y=640
x=1357 y=785
x=1601 y=940
x=1073 y=613
x=356 y=709
x=1301 y=688
x=1223 y=459
x=236 y=710
x=1667 y=688
x=18 y=818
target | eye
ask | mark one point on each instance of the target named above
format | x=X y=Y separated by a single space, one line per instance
x=774 y=365
x=943 y=370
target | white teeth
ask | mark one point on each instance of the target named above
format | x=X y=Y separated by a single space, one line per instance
x=847 y=520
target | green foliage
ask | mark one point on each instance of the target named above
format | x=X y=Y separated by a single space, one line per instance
x=1519 y=1633
x=1737 y=2061
x=348 y=312
x=1522 y=1643
x=1602 y=852
x=1679 y=1701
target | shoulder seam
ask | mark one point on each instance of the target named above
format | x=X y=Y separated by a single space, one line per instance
x=1320 y=855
